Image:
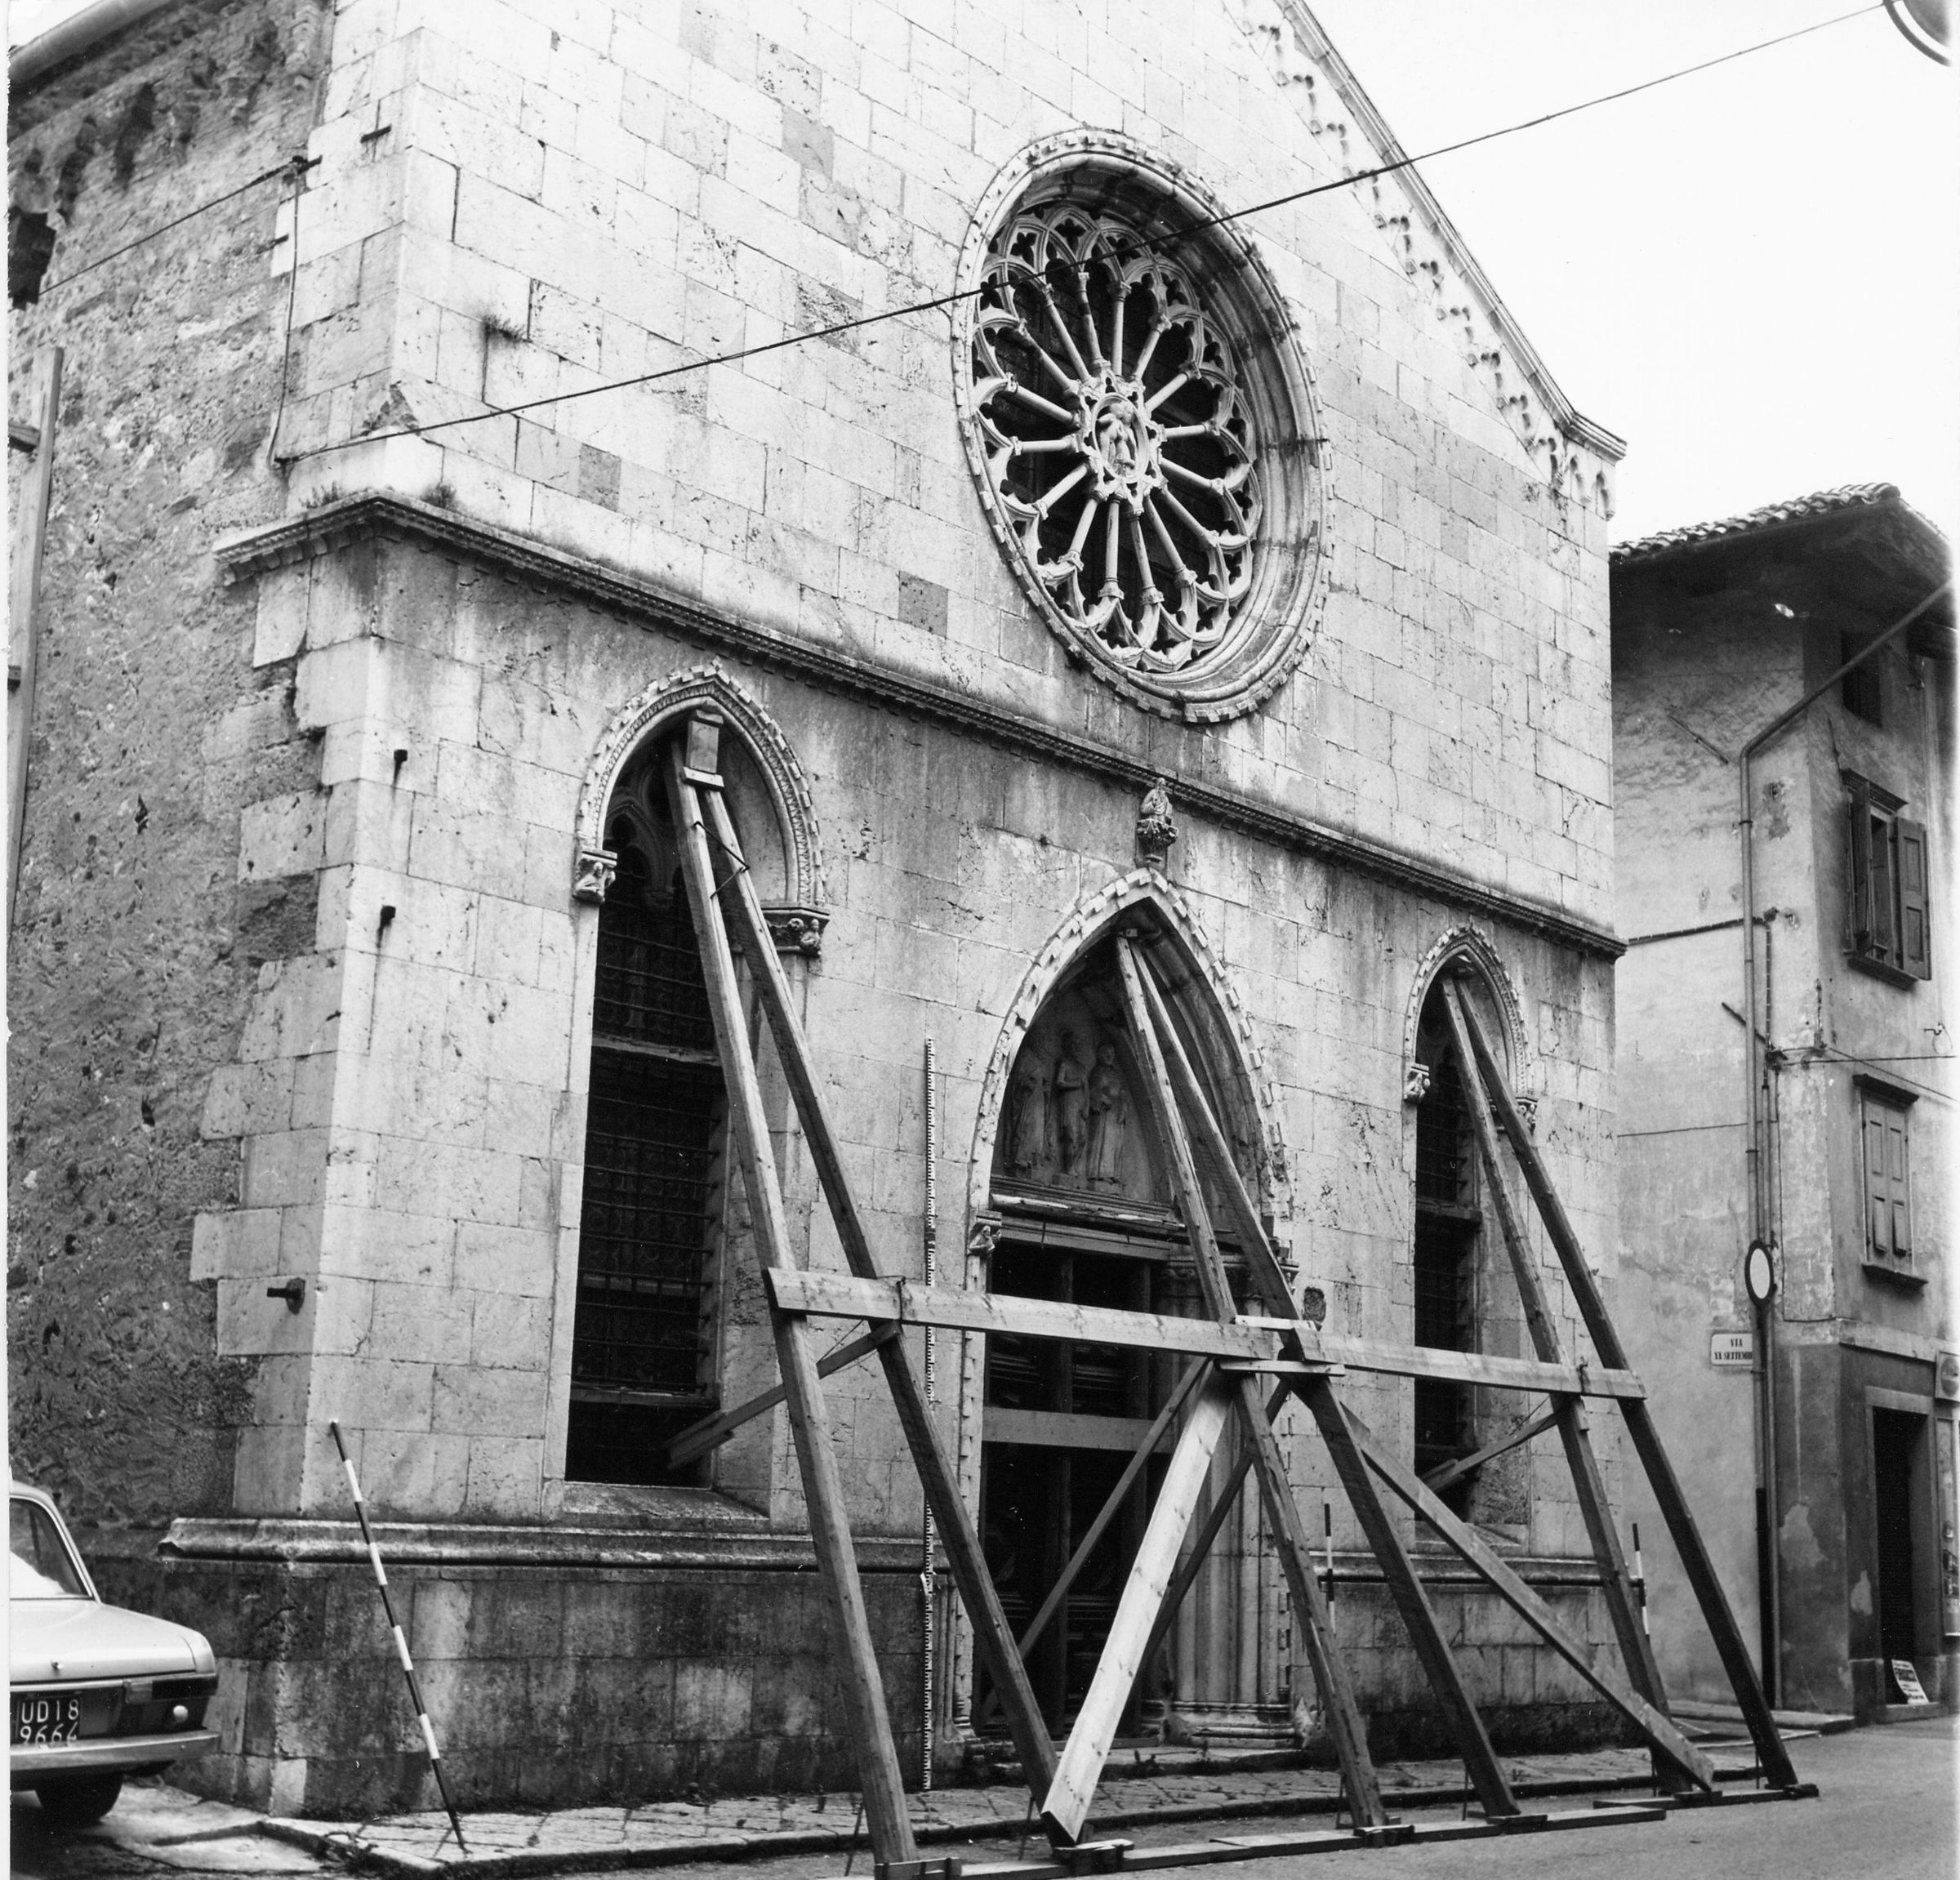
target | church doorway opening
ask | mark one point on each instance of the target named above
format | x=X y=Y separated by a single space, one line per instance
x=1082 y=1196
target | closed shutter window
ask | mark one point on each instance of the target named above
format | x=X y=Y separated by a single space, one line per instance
x=1887 y=1181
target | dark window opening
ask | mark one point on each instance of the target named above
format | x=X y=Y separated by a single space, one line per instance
x=1445 y=1256
x=30 y=246
x=649 y=1228
x=1860 y=689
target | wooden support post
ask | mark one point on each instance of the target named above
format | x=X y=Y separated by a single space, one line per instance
x=993 y=1638
x=1652 y=1723
x=1341 y=1707
x=24 y=596
x=1446 y=1682
x=1635 y=1650
x=1199 y=1548
x=865 y=1717
x=1065 y=1805
x=1716 y=1612
x=711 y=1432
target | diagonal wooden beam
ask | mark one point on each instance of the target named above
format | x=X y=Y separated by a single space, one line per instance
x=1655 y=1725
x=1065 y=1807
x=883 y=1787
x=711 y=1432
x=1339 y=1703
x=1268 y=1277
x=1716 y=1612
x=1439 y=1479
x=993 y=1638
x=1636 y=1650
x=1418 y=1617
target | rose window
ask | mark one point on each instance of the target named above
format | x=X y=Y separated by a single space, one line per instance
x=1120 y=446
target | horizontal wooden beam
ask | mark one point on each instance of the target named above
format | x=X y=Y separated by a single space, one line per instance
x=1058 y=1429
x=1249 y=1340
x=1461 y=1367
x=839 y=1295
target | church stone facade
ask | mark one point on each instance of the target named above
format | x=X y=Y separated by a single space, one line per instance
x=1239 y=584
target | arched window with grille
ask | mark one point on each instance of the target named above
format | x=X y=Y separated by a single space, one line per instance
x=1448 y=1221
x=651 y=1224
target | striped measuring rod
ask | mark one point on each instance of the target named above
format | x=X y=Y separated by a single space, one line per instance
x=401 y=1638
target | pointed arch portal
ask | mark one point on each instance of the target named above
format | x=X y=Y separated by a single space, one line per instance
x=1230 y=1361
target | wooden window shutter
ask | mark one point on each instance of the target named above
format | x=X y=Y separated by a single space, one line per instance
x=1915 y=936
x=1878 y=1188
x=1861 y=867
x=1885 y=890
x=1898 y=1195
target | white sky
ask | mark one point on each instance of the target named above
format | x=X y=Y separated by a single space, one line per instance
x=1750 y=275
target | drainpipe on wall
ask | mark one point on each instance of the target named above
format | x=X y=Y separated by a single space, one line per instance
x=1769 y=1593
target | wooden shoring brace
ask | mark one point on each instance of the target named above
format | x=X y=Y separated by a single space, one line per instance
x=1418 y=1617
x=712 y=1432
x=1200 y=1550
x=1156 y=1043
x=1636 y=1650
x=1772 y=1756
x=1180 y=1096
x=1065 y=1807
x=1440 y=1478
x=1651 y=1720
x=993 y=1638
x=870 y=1726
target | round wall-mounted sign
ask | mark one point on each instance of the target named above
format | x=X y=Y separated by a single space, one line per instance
x=1759 y=1272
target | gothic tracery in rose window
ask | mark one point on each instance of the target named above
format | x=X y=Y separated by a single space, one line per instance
x=1118 y=440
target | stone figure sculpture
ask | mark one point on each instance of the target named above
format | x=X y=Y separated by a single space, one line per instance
x=1108 y=1119
x=1156 y=825
x=1027 y=1115
x=1071 y=1103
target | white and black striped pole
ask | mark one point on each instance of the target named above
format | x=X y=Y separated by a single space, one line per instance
x=401 y=1638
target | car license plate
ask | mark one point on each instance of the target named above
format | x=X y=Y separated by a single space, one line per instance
x=54 y=1716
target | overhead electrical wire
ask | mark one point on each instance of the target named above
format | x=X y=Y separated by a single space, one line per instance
x=1143 y=245
x=939 y=301
x=288 y=168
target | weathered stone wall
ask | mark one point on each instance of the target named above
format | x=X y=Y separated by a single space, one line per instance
x=137 y=947
x=399 y=1085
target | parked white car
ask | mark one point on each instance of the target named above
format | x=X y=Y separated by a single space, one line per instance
x=98 y=1693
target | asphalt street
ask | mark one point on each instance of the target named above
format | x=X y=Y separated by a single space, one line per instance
x=1890 y=1809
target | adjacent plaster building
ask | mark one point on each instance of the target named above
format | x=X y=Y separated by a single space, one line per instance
x=1840 y=1164
x=898 y=391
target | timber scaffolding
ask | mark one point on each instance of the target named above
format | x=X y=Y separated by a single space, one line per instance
x=1246 y=1366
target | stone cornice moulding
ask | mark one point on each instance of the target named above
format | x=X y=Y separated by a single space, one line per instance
x=697 y=1547
x=1273 y=17
x=269 y=546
